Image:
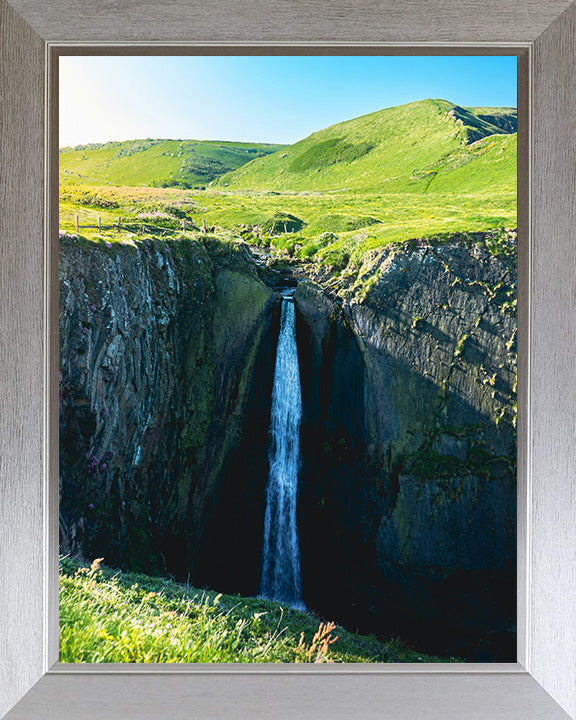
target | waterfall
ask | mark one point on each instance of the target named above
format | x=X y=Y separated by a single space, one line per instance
x=281 y=554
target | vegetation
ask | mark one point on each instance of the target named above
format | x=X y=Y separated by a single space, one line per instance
x=395 y=175
x=430 y=146
x=110 y=616
x=158 y=163
x=354 y=223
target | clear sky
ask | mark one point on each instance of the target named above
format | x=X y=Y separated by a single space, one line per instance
x=259 y=98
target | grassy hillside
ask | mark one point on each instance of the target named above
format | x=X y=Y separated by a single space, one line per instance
x=337 y=225
x=110 y=616
x=427 y=169
x=505 y=118
x=415 y=148
x=160 y=163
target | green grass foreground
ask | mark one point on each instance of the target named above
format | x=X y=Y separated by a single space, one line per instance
x=107 y=616
x=338 y=227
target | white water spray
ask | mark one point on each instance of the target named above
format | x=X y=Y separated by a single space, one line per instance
x=281 y=553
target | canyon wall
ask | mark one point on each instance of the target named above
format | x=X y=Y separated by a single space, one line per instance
x=407 y=499
x=411 y=482
x=158 y=343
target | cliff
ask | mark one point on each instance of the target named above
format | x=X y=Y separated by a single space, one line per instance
x=158 y=342
x=410 y=375
x=407 y=495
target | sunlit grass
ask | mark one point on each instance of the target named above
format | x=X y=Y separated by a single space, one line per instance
x=417 y=148
x=358 y=221
x=398 y=174
x=187 y=163
x=108 y=616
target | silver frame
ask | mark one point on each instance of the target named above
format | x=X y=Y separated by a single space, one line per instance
x=29 y=33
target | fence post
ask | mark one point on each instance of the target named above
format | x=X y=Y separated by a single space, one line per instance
x=77 y=225
x=99 y=226
x=204 y=226
x=118 y=224
x=183 y=224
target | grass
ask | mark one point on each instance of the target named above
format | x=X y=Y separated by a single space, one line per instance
x=425 y=169
x=162 y=163
x=354 y=222
x=416 y=148
x=108 y=616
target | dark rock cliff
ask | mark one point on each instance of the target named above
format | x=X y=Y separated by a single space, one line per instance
x=407 y=500
x=408 y=485
x=158 y=344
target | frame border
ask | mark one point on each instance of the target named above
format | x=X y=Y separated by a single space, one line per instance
x=24 y=615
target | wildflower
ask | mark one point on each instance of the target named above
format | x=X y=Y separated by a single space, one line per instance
x=107 y=243
x=63 y=235
x=96 y=564
x=155 y=215
x=318 y=650
x=90 y=506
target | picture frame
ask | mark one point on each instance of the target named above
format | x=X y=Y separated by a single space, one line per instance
x=542 y=685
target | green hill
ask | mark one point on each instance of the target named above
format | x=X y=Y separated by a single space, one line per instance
x=505 y=118
x=159 y=163
x=425 y=146
x=421 y=170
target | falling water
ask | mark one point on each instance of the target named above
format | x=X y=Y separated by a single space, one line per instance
x=281 y=555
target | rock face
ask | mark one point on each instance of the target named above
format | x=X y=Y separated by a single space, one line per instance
x=158 y=345
x=410 y=478
x=407 y=500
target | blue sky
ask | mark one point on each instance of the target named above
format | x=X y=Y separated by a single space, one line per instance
x=259 y=98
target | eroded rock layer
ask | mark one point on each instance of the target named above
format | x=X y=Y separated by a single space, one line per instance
x=157 y=349
x=409 y=483
x=407 y=499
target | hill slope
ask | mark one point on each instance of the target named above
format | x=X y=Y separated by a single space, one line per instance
x=160 y=163
x=109 y=616
x=429 y=145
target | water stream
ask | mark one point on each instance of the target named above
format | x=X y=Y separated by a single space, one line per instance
x=281 y=554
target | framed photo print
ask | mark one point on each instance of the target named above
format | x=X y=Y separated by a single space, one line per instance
x=288 y=419
x=288 y=370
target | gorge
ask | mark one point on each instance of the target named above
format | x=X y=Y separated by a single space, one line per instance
x=407 y=481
